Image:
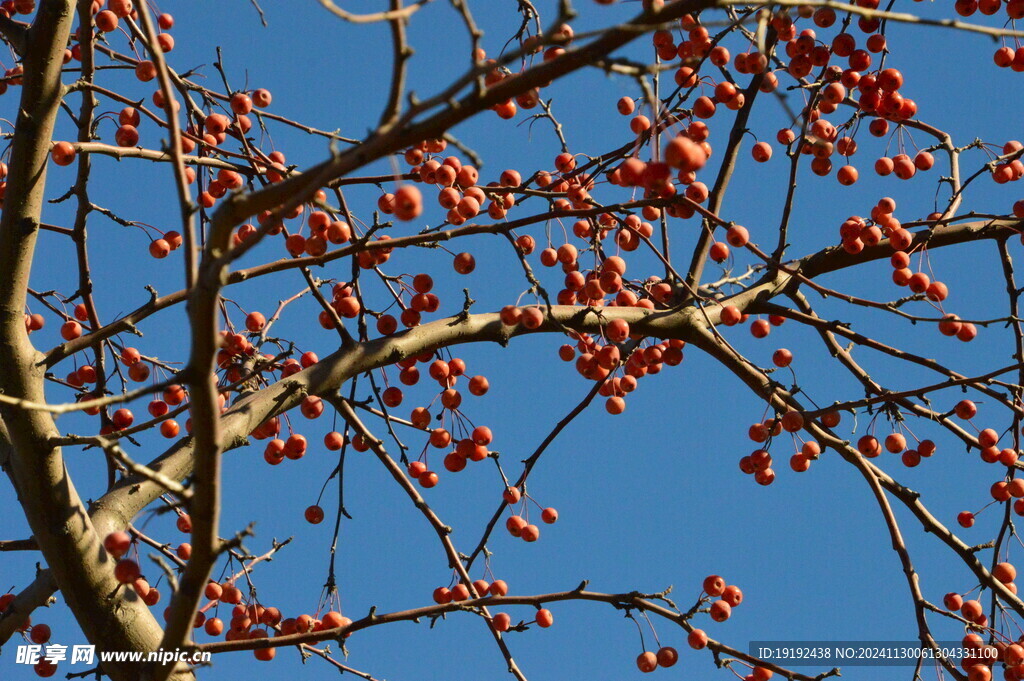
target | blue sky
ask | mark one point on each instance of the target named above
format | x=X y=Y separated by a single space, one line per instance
x=648 y=499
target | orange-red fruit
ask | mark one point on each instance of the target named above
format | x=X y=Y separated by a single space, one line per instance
x=63 y=153
x=482 y=435
x=965 y=409
x=1004 y=572
x=261 y=98
x=782 y=358
x=667 y=656
x=684 y=154
x=159 y=248
x=895 y=443
x=515 y=525
x=464 y=263
x=263 y=654
x=117 y=543
x=214 y=626
x=971 y=610
x=106 y=21
x=126 y=571
x=511 y=495
x=720 y=611
x=647 y=662
x=70 y=330
x=255 y=322
x=714 y=586
x=731 y=315
x=314 y=515
x=762 y=152
x=408 y=202
x=792 y=421
x=334 y=620
x=40 y=633
x=213 y=591
x=718 y=252
x=44 y=668
x=847 y=175
x=737 y=236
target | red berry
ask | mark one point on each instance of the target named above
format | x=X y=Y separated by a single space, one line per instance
x=647 y=662
x=126 y=571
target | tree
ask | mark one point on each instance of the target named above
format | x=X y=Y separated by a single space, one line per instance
x=623 y=248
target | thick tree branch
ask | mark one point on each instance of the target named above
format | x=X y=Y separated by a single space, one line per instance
x=60 y=523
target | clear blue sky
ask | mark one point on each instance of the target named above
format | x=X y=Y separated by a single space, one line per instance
x=649 y=499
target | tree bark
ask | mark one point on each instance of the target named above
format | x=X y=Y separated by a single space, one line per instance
x=113 y=617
